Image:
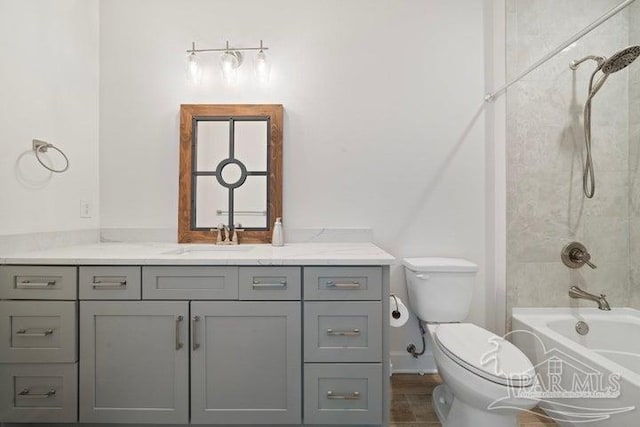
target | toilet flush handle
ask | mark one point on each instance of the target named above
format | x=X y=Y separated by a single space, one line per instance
x=423 y=276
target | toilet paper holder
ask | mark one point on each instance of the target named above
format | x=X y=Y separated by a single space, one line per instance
x=396 y=312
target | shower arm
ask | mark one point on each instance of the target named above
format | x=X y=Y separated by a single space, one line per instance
x=490 y=97
x=599 y=59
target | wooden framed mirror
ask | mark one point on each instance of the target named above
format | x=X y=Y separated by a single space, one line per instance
x=230 y=171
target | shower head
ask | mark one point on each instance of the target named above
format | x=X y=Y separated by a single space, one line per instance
x=620 y=60
x=615 y=63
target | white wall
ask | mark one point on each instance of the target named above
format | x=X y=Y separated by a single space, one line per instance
x=379 y=100
x=48 y=90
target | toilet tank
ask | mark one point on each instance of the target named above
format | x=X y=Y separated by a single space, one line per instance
x=440 y=289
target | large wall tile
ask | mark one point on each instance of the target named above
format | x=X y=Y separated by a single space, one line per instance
x=546 y=208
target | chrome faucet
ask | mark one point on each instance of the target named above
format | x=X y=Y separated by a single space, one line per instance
x=223 y=235
x=228 y=236
x=576 y=292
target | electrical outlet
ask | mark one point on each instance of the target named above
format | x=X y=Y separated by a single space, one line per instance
x=85 y=209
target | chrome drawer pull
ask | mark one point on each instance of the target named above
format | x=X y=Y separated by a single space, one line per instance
x=27 y=393
x=258 y=285
x=27 y=284
x=343 y=396
x=354 y=285
x=179 y=343
x=99 y=284
x=26 y=333
x=194 y=322
x=351 y=333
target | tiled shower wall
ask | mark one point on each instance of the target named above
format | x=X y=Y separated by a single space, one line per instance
x=634 y=159
x=546 y=208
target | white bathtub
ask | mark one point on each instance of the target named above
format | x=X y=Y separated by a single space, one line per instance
x=586 y=380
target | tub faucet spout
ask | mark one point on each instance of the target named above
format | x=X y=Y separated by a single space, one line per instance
x=576 y=292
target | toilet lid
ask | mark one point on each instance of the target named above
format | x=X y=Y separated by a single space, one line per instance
x=485 y=354
x=439 y=264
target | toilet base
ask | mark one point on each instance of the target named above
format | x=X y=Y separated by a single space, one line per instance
x=442 y=399
x=453 y=412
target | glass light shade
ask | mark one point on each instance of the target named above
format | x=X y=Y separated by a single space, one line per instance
x=262 y=67
x=194 y=69
x=229 y=63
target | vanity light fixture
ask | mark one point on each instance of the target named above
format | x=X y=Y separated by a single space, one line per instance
x=262 y=66
x=230 y=62
x=193 y=66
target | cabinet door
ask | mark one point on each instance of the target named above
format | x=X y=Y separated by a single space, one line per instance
x=134 y=362
x=246 y=363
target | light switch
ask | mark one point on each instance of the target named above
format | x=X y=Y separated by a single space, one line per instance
x=85 y=209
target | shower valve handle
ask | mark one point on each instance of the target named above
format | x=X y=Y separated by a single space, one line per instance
x=585 y=257
x=575 y=255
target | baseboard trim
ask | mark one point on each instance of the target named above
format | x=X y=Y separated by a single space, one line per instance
x=404 y=363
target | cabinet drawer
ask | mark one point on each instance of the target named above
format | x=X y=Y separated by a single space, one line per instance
x=190 y=283
x=270 y=283
x=37 y=331
x=343 y=332
x=33 y=393
x=342 y=283
x=343 y=394
x=110 y=283
x=31 y=282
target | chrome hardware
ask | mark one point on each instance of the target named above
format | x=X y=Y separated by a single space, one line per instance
x=26 y=284
x=42 y=147
x=575 y=255
x=106 y=284
x=353 y=285
x=234 y=238
x=396 y=312
x=582 y=328
x=25 y=333
x=343 y=396
x=351 y=333
x=221 y=238
x=577 y=293
x=27 y=393
x=259 y=285
x=228 y=236
x=194 y=322
x=243 y=213
x=179 y=343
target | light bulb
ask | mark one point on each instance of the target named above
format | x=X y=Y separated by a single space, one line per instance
x=194 y=69
x=262 y=67
x=229 y=63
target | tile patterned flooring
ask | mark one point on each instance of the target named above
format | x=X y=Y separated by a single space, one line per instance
x=411 y=403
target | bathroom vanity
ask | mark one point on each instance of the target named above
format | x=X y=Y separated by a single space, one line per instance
x=179 y=334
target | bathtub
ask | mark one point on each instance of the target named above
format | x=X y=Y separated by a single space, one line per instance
x=584 y=380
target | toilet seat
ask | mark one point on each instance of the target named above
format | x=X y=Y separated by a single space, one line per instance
x=485 y=354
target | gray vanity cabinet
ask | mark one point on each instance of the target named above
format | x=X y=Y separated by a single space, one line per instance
x=134 y=362
x=246 y=363
x=225 y=345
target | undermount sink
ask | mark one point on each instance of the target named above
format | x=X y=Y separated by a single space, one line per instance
x=198 y=250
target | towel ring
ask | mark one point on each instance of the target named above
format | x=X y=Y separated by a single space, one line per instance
x=42 y=147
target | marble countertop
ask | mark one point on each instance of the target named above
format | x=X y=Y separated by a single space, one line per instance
x=193 y=254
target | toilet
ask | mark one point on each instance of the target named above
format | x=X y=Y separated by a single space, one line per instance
x=485 y=378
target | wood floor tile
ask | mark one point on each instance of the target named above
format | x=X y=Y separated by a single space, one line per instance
x=401 y=412
x=411 y=404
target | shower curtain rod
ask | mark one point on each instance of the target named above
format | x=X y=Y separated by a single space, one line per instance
x=492 y=96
